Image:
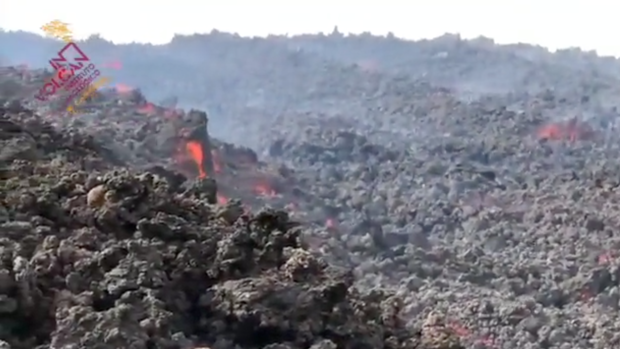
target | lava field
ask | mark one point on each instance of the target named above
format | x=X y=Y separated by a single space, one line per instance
x=375 y=210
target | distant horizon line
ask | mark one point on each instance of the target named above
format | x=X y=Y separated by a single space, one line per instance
x=389 y=35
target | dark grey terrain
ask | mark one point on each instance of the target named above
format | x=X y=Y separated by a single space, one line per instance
x=439 y=194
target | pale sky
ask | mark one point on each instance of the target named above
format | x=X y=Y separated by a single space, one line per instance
x=591 y=25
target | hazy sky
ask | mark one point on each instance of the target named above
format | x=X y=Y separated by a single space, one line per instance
x=588 y=24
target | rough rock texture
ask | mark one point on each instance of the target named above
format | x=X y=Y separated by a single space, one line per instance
x=486 y=220
x=97 y=254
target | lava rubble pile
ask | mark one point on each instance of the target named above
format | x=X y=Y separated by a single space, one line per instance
x=100 y=254
x=492 y=222
x=503 y=218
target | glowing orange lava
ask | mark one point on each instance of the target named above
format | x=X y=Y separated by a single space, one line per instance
x=605 y=258
x=122 y=88
x=463 y=332
x=460 y=330
x=571 y=130
x=264 y=190
x=552 y=132
x=221 y=199
x=195 y=151
x=147 y=109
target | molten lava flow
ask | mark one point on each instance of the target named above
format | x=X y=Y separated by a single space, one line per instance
x=195 y=151
x=605 y=258
x=463 y=333
x=148 y=109
x=189 y=151
x=551 y=132
x=217 y=167
x=221 y=199
x=571 y=130
x=264 y=190
x=460 y=330
x=123 y=89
